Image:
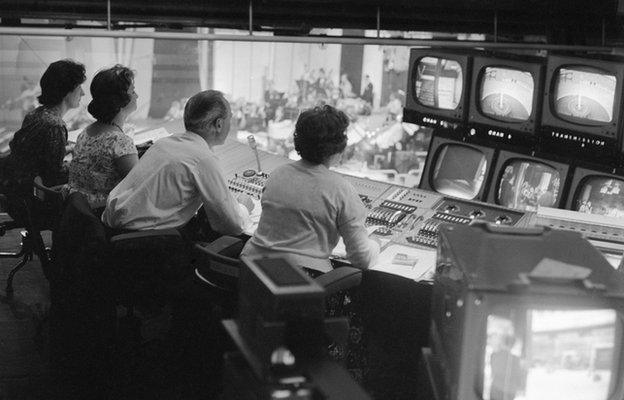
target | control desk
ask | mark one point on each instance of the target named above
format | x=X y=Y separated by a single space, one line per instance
x=405 y=219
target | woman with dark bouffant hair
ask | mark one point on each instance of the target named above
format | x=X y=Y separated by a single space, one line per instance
x=38 y=148
x=306 y=208
x=104 y=154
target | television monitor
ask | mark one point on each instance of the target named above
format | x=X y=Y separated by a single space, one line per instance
x=438 y=87
x=556 y=353
x=517 y=314
x=594 y=191
x=458 y=169
x=506 y=97
x=524 y=182
x=583 y=102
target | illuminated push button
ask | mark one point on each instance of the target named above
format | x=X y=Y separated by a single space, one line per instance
x=476 y=213
x=451 y=208
x=503 y=219
x=248 y=173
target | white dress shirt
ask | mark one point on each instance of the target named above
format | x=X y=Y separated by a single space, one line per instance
x=306 y=208
x=169 y=184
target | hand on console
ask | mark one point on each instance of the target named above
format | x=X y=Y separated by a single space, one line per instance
x=246 y=201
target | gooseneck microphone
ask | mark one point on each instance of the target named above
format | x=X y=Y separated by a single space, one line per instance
x=254 y=146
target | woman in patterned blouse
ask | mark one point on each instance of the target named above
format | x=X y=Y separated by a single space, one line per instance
x=38 y=148
x=104 y=154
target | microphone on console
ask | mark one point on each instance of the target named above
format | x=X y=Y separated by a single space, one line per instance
x=254 y=146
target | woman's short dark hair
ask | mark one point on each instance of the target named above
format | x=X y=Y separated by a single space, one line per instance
x=60 y=78
x=109 y=89
x=320 y=133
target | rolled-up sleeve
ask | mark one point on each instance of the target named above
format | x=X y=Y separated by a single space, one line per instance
x=224 y=213
x=362 y=252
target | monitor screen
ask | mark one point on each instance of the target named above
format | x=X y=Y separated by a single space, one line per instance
x=527 y=184
x=438 y=83
x=506 y=94
x=600 y=195
x=541 y=354
x=584 y=95
x=459 y=171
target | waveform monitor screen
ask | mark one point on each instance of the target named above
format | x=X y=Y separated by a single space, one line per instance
x=550 y=354
x=439 y=83
x=584 y=95
x=459 y=171
x=600 y=195
x=527 y=184
x=506 y=94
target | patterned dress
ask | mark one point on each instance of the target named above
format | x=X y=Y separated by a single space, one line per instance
x=37 y=149
x=92 y=171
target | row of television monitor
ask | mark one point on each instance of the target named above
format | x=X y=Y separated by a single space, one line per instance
x=563 y=97
x=520 y=181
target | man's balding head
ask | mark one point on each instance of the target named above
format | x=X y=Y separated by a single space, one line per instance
x=204 y=109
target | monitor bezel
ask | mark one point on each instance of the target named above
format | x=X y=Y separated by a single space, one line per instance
x=435 y=148
x=580 y=174
x=560 y=164
x=487 y=126
x=421 y=114
x=553 y=124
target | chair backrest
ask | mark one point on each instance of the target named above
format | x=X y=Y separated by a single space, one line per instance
x=46 y=206
x=222 y=271
x=158 y=251
x=217 y=269
x=43 y=193
x=79 y=248
x=126 y=267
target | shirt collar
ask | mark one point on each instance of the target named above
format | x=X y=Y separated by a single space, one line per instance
x=195 y=138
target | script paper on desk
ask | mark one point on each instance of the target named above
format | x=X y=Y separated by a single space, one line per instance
x=341 y=251
x=139 y=138
x=150 y=136
x=421 y=267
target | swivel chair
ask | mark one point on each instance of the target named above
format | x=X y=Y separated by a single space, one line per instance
x=94 y=277
x=27 y=215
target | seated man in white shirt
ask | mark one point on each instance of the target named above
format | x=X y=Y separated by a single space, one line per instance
x=179 y=174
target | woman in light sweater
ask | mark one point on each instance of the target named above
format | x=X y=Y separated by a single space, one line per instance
x=306 y=207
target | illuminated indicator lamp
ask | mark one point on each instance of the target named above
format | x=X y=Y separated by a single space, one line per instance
x=477 y=214
x=451 y=208
x=503 y=220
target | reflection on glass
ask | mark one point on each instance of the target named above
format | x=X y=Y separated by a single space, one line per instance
x=267 y=84
x=507 y=94
x=585 y=95
x=438 y=83
x=602 y=196
x=459 y=171
x=549 y=354
x=525 y=185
